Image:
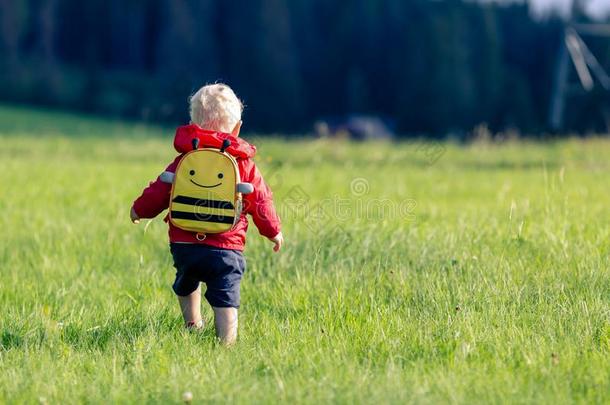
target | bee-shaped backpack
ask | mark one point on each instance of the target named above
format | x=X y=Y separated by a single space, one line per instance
x=206 y=194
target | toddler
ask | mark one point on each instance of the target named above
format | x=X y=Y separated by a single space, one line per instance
x=217 y=259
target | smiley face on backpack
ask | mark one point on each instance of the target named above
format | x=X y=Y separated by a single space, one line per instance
x=206 y=173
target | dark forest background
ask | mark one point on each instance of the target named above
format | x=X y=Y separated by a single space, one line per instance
x=432 y=67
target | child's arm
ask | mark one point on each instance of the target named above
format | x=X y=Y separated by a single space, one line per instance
x=154 y=198
x=259 y=204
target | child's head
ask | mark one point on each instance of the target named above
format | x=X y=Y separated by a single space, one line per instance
x=216 y=107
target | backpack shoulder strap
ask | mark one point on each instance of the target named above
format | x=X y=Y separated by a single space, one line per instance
x=167 y=177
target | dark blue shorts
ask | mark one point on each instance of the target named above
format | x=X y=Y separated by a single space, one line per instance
x=220 y=269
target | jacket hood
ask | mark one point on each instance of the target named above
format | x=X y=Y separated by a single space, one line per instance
x=183 y=141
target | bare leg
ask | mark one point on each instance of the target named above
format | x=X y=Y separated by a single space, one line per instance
x=191 y=309
x=225 y=320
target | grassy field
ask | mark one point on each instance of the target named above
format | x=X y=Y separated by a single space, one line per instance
x=412 y=273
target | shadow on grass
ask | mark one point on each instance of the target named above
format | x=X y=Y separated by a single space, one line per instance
x=10 y=340
x=129 y=332
x=116 y=331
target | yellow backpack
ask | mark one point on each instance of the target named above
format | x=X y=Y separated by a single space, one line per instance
x=206 y=194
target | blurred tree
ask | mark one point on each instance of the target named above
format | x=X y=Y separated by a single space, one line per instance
x=260 y=59
x=49 y=88
x=13 y=14
x=188 y=52
x=487 y=67
x=431 y=66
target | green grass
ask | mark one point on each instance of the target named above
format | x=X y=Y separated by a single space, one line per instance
x=481 y=277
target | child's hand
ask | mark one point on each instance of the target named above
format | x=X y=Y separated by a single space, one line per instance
x=278 y=240
x=134 y=217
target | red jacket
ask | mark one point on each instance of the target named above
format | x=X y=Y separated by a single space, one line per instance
x=259 y=204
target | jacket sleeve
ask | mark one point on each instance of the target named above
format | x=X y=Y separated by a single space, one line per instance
x=259 y=204
x=155 y=197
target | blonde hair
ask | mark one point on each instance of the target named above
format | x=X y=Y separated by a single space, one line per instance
x=215 y=107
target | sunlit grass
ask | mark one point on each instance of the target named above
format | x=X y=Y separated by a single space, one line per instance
x=492 y=286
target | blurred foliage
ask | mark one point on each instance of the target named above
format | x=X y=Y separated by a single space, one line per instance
x=433 y=67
